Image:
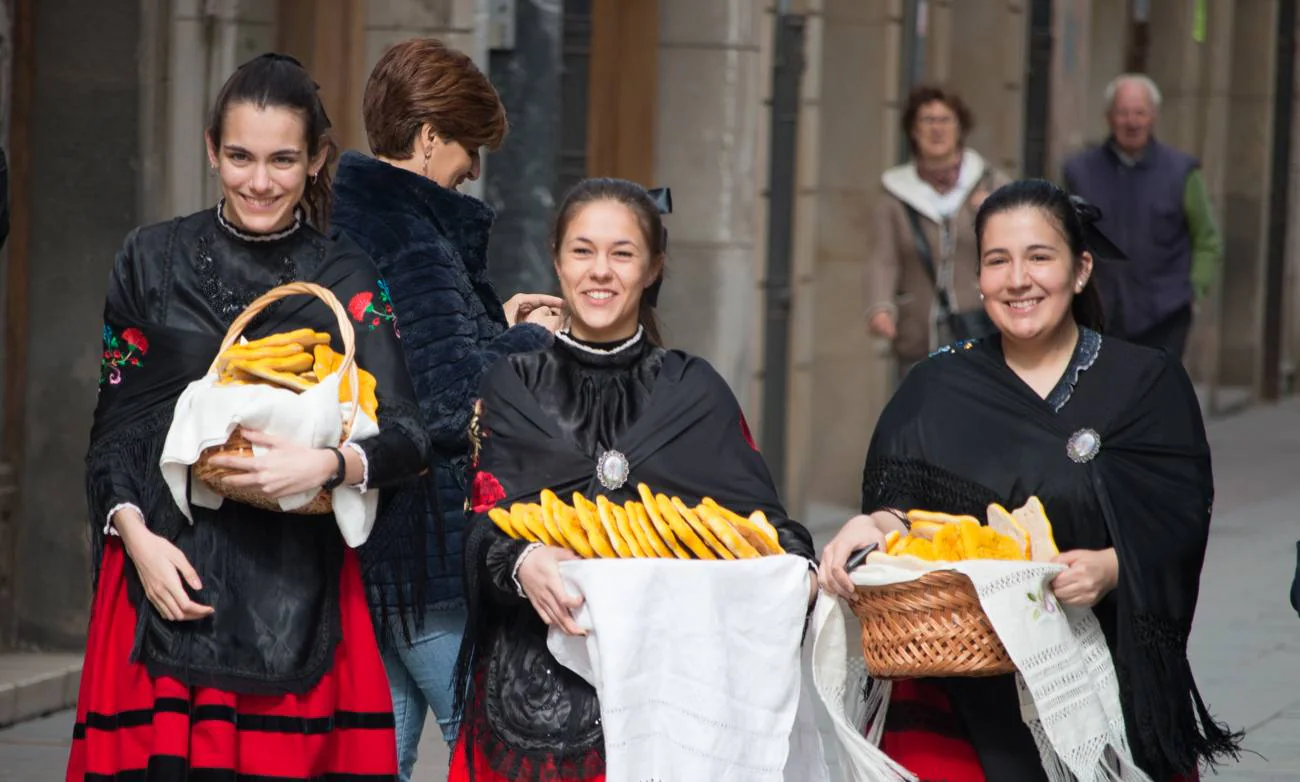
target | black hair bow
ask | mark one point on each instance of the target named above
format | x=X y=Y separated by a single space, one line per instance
x=663 y=201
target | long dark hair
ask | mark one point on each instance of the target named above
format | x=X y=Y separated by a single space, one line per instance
x=642 y=204
x=280 y=80
x=1073 y=215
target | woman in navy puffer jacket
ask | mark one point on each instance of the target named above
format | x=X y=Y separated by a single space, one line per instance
x=428 y=111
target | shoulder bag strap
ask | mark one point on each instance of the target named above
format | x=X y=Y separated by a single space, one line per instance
x=927 y=258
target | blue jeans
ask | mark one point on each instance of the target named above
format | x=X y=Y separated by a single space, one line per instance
x=419 y=676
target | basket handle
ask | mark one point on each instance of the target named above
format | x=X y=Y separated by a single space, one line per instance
x=346 y=331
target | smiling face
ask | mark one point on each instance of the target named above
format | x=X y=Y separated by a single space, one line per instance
x=604 y=265
x=264 y=165
x=450 y=164
x=1028 y=275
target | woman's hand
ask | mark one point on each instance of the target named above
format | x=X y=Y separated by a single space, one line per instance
x=161 y=566
x=550 y=318
x=521 y=304
x=882 y=325
x=1089 y=576
x=285 y=468
x=858 y=532
x=539 y=575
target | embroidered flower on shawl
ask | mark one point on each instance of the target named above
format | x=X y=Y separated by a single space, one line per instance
x=370 y=311
x=486 y=492
x=126 y=350
x=965 y=344
x=1043 y=603
x=744 y=430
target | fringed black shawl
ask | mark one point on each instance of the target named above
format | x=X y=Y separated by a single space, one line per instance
x=963 y=430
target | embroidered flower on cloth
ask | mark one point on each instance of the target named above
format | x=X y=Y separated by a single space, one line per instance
x=370 y=311
x=486 y=492
x=126 y=350
x=1043 y=603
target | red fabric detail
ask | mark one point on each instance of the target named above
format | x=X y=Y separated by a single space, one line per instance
x=136 y=339
x=486 y=492
x=111 y=684
x=925 y=743
x=744 y=430
x=482 y=771
x=358 y=305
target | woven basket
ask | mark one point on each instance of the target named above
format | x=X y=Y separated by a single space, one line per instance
x=932 y=626
x=237 y=444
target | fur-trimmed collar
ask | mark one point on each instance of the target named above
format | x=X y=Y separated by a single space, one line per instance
x=905 y=184
x=377 y=188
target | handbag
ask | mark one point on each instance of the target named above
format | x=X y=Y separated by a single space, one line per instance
x=969 y=324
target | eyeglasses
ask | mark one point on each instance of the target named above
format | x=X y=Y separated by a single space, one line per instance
x=940 y=120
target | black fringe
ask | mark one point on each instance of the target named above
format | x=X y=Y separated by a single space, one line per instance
x=910 y=484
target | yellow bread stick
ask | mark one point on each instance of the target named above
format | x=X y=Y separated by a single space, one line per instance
x=935 y=517
x=610 y=526
x=548 y=503
x=636 y=514
x=893 y=542
x=501 y=518
x=651 y=507
x=243 y=352
x=604 y=512
x=682 y=530
x=304 y=338
x=590 y=520
x=1003 y=521
x=287 y=380
x=626 y=519
x=730 y=536
x=701 y=529
x=521 y=523
x=748 y=525
x=567 y=518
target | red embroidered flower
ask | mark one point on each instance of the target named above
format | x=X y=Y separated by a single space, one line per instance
x=744 y=430
x=359 y=304
x=486 y=492
x=136 y=339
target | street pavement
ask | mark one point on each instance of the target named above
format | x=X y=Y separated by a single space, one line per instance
x=1245 y=647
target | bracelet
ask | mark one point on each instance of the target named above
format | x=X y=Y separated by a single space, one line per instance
x=514 y=574
x=337 y=480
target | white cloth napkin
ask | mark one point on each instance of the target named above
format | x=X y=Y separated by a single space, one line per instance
x=697 y=665
x=206 y=414
x=1069 y=693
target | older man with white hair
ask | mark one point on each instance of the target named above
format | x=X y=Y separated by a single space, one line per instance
x=1155 y=207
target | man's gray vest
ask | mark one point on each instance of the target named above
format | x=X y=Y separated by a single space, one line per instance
x=1142 y=212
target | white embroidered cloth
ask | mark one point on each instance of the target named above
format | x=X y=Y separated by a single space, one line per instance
x=1068 y=690
x=206 y=414
x=697 y=665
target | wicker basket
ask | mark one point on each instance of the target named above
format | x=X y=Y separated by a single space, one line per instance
x=237 y=444
x=932 y=626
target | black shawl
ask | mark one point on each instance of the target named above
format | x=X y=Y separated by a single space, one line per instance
x=271 y=577
x=689 y=439
x=964 y=430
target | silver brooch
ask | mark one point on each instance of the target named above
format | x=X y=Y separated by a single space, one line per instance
x=1083 y=446
x=612 y=470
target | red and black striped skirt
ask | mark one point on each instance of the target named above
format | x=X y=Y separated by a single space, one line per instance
x=131 y=726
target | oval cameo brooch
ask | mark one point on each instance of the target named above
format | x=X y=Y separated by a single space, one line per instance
x=612 y=470
x=1083 y=446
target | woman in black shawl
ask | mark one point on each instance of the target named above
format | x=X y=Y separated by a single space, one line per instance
x=1109 y=436
x=239 y=645
x=601 y=410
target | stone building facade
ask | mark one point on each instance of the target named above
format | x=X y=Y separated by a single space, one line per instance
x=103 y=106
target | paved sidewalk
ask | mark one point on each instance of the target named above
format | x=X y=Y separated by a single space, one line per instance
x=1245 y=646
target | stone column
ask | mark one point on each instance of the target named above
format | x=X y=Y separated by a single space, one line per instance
x=841 y=377
x=83 y=146
x=707 y=145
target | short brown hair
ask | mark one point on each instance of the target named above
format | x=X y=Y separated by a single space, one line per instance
x=423 y=80
x=929 y=93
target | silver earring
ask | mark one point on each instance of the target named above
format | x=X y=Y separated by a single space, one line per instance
x=313 y=178
x=981 y=297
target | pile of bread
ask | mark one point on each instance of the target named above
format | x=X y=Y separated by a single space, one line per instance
x=657 y=526
x=295 y=360
x=1024 y=534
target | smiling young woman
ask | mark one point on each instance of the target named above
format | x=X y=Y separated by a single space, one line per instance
x=238 y=644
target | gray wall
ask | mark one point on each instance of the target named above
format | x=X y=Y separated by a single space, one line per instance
x=84 y=195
